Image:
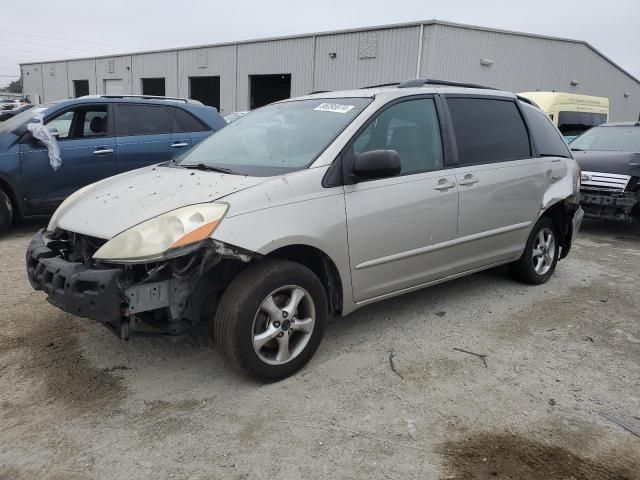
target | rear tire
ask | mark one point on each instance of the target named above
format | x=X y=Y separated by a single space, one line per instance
x=540 y=257
x=271 y=319
x=6 y=212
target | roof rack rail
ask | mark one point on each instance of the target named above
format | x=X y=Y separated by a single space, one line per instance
x=151 y=97
x=392 y=84
x=318 y=91
x=420 y=82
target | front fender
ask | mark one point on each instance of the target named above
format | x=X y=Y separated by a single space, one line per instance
x=318 y=222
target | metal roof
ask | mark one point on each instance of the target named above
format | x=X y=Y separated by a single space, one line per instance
x=353 y=30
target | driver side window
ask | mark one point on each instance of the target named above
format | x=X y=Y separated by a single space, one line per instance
x=61 y=126
x=410 y=128
x=82 y=122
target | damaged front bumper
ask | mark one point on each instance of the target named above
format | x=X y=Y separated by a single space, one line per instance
x=114 y=296
x=610 y=205
x=71 y=286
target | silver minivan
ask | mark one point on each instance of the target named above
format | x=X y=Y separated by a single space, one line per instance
x=311 y=207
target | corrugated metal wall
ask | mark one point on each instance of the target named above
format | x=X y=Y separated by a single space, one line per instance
x=213 y=61
x=355 y=59
x=32 y=80
x=82 y=70
x=155 y=65
x=54 y=80
x=521 y=64
x=365 y=58
x=294 y=56
x=114 y=68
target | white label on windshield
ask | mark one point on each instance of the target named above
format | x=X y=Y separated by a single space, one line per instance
x=334 y=107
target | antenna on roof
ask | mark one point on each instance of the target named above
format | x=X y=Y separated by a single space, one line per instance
x=638 y=122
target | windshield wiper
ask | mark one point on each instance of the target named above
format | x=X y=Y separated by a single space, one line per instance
x=207 y=168
x=577 y=149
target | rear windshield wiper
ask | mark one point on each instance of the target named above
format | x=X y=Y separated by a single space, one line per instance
x=208 y=168
x=577 y=149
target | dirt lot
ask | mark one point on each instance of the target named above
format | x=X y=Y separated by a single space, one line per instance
x=77 y=403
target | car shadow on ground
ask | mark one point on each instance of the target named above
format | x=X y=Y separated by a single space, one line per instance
x=611 y=229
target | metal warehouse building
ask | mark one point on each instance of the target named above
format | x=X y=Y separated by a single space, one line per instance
x=244 y=75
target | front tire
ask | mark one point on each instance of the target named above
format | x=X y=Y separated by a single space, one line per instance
x=540 y=257
x=6 y=212
x=271 y=319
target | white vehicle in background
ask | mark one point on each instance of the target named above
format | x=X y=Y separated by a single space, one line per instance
x=9 y=104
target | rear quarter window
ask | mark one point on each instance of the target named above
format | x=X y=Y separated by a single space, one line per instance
x=185 y=122
x=488 y=130
x=142 y=120
x=546 y=138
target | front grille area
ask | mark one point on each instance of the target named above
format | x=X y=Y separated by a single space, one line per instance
x=608 y=181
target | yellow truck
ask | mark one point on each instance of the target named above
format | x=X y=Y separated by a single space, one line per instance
x=571 y=113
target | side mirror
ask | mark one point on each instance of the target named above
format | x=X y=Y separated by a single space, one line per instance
x=377 y=164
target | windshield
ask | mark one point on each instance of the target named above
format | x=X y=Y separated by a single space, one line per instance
x=278 y=138
x=21 y=118
x=623 y=139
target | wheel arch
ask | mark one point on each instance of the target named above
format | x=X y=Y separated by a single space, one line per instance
x=560 y=214
x=319 y=263
x=7 y=187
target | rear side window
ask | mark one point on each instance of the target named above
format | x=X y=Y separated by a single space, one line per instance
x=185 y=122
x=547 y=139
x=488 y=130
x=142 y=120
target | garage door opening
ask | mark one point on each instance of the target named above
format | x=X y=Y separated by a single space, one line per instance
x=80 y=88
x=269 y=88
x=113 y=86
x=205 y=90
x=153 y=86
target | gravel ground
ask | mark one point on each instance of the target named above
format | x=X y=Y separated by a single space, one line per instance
x=387 y=395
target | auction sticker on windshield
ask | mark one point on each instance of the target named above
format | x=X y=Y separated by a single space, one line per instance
x=334 y=107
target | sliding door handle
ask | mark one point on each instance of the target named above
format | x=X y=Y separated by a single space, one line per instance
x=444 y=185
x=468 y=181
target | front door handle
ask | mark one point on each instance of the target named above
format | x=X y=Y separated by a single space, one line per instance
x=468 y=180
x=103 y=151
x=179 y=144
x=444 y=184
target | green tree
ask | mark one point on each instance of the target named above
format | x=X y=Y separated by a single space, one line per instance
x=14 y=87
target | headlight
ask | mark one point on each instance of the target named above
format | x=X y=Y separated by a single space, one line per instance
x=165 y=236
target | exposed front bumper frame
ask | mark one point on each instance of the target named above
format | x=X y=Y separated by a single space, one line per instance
x=97 y=293
x=74 y=287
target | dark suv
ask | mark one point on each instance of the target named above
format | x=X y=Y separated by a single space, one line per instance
x=97 y=136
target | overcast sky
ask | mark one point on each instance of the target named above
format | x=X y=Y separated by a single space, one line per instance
x=34 y=30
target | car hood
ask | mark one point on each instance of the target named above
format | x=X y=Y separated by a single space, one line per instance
x=115 y=204
x=624 y=163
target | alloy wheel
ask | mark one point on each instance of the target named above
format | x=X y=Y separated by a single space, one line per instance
x=283 y=325
x=544 y=251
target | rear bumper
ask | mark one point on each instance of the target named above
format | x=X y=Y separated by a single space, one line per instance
x=87 y=292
